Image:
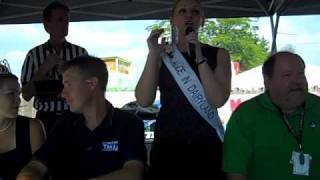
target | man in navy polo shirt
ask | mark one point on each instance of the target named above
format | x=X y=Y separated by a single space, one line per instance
x=98 y=141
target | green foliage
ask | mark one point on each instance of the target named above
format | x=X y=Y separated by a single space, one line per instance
x=237 y=35
x=120 y=84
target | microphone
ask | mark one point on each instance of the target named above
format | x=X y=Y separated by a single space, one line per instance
x=191 y=46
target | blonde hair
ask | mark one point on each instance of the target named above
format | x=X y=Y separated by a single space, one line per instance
x=178 y=1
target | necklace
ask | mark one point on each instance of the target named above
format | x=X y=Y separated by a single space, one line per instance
x=10 y=123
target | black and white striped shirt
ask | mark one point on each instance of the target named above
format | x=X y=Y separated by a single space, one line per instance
x=35 y=59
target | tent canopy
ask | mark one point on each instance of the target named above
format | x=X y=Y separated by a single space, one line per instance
x=29 y=11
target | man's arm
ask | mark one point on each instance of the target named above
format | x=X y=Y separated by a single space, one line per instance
x=232 y=176
x=28 y=88
x=34 y=170
x=131 y=170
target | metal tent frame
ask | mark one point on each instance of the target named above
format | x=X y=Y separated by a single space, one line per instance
x=24 y=12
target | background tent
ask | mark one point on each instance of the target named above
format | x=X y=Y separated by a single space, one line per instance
x=253 y=79
x=247 y=80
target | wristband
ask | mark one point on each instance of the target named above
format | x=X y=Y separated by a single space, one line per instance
x=201 y=62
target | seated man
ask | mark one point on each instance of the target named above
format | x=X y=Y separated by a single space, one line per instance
x=99 y=141
x=275 y=136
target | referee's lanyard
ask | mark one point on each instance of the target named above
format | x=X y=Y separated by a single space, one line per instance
x=298 y=137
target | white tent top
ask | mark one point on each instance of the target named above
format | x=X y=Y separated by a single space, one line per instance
x=253 y=79
x=248 y=79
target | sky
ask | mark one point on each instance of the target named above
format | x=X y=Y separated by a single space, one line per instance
x=302 y=32
x=127 y=39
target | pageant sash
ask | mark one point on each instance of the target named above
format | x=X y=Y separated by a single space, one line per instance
x=192 y=88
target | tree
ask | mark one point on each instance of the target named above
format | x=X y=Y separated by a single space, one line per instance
x=237 y=35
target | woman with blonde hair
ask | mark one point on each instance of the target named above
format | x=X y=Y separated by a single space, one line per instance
x=194 y=79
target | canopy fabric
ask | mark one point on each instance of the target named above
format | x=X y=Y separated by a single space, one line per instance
x=29 y=11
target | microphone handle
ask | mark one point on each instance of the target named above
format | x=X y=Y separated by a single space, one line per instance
x=192 y=49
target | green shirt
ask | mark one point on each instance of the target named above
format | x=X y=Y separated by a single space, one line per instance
x=258 y=143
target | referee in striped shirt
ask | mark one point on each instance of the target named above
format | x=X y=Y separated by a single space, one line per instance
x=41 y=77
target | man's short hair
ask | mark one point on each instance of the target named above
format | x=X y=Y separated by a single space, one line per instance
x=268 y=65
x=89 y=66
x=46 y=14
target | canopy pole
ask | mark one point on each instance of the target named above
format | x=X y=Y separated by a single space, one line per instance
x=274 y=30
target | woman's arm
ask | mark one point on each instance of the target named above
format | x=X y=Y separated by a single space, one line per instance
x=146 y=88
x=217 y=83
x=37 y=134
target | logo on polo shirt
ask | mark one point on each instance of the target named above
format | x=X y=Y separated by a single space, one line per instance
x=313 y=124
x=109 y=146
